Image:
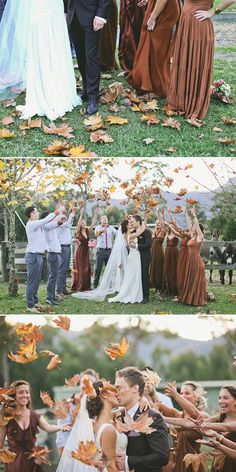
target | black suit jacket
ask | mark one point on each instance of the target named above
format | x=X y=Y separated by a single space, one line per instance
x=86 y=10
x=145 y=242
x=149 y=452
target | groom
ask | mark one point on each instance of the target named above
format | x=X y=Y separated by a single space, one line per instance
x=145 y=452
x=144 y=246
x=85 y=20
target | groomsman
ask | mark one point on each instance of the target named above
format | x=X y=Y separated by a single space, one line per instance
x=104 y=234
x=64 y=235
x=34 y=253
x=53 y=247
x=2 y=6
x=85 y=20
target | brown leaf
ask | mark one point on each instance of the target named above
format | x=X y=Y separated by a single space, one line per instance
x=64 y=130
x=5 y=133
x=100 y=137
x=73 y=381
x=140 y=425
x=197 y=461
x=132 y=97
x=116 y=120
x=54 y=362
x=46 y=399
x=177 y=209
x=217 y=130
x=5 y=420
x=80 y=151
x=6 y=391
x=7 y=456
x=182 y=192
x=26 y=328
x=152 y=104
x=226 y=140
x=228 y=121
x=37 y=123
x=117 y=350
x=61 y=409
x=153 y=377
x=150 y=119
x=7 y=120
x=114 y=108
x=169 y=112
x=171 y=123
x=171 y=150
x=86 y=452
x=63 y=322
x=191 y=201
x=47 y=353
x=57 y=148
x=106 y=76
x=94 y=122
x=148 y=140
x=168 y=181
x=40 y=453
x=88 y=387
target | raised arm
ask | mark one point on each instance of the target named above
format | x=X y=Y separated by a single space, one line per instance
x=78 y=227
x=171 y=391
x=200 y=235
x=222 y=427
x=94 y=220
x=137 y=233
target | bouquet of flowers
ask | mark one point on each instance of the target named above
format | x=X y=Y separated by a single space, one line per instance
x=221 y=91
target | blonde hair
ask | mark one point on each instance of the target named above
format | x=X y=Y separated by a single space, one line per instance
x=199 y=393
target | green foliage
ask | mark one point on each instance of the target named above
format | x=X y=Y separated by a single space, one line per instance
x=230 y=231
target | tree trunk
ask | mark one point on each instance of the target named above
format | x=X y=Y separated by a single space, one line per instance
x=5 y=219
x=13 y=282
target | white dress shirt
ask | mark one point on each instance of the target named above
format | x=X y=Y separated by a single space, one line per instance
x=51 y=235
x=35 y=234
x=131 y=412
x=64 y=230
x=104 y=241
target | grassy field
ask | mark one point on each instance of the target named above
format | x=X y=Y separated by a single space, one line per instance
x=128 y=139
x=225 y=303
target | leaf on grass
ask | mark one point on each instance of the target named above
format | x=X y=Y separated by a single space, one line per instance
x=7 y=456
x=5 y=133
x=94 y=122
x=80 y=151
x=169 y=112
x=116 y=120
x=114 y=108
x=40 y=453
x=132 y=97
x=86 y=452
x=171 y=123
x=7 y=120
x=171 y=150
x=226 y=140
x=217 y=130
x=8 y=103
x=106 y=76
x=54 y=362
x=46 y=399
x=30 y=124
x=152 y=104
x=64 y=130
x=117 y=350
x=153 y=377
x=148 y=140
x=197 y=461
x=228 y=121
x=73 y=381
x=63 y=322
x=150 y=119
x=57 y=148
x=100 y=136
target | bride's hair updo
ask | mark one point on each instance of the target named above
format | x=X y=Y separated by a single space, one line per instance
x=94 y=405
x=124 y=226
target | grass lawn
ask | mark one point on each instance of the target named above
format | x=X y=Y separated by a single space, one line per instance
x=128 y=139
x=225 y=303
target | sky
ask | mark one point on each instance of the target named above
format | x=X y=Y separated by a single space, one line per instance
x=201 y=328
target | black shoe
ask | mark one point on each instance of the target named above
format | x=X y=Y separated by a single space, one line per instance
x=51 y=302
x=144 y=301
x=92 y=107
x=84 y=97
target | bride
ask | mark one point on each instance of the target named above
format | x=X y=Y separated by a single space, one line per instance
x=94 y=423
x=131 y=290
x=35 y=55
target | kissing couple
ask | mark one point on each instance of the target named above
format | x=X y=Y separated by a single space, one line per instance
x=127 y=270
x=123 y=451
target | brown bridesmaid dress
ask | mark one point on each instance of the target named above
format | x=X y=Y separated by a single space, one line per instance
x=192 y=68
x=229 y=464
x=157 y=261
x=81 y=272
x=182 y=263
x=22 y=442
x=151 y=71
x=131 y=18
x=194 y=285
x=169 y=285
x=108 y=39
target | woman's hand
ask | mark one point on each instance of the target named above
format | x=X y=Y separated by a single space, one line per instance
x=65 y=427
x=170 y=389
x=143 y=404
x=202 y=15
x=151 y=23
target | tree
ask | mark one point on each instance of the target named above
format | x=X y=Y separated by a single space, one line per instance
x=230 y=230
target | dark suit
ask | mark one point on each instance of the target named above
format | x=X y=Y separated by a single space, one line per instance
x=149 y=452
x=80 y=16
x=144 y=246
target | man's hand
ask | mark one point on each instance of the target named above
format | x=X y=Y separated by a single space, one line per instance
x=98 y=23
x=120 y=462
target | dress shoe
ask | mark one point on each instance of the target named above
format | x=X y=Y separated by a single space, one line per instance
x=144 y=301
x=51 y=302
x=33 y=309
x=59 y=297
x=84 y=97
x=92 y=107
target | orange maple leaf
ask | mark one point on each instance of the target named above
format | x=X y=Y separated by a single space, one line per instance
x=117 y=350
x=63 y=322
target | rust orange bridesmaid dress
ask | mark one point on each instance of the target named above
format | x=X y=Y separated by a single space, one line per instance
x=194 y=290
x=131 y=18
x=81 y=272
x=182 y=263
x=108 y=39
x=151 y=71
x=192 y=67
x=157 y=261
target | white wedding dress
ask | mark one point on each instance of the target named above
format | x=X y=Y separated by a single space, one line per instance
x=112 y=278
x=44 y=58
x=131 y=290
x=83 y=431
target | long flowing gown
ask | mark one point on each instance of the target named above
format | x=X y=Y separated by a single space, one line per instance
x=151 y=70
x=182 y=262
x=157 y=262
x=169 y=285
x=50 y=79
x=192 y=67
x=108 y=37
x=229 y=463
x=131 y=18
x=194 y=286
x=22 y=442
x=81 y=272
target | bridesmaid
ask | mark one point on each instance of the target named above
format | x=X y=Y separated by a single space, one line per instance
x=131 y=18
x=22 y=429
x=151 y=71
x=108 y=39
x=169 y=284
x=194 y=290
x=81 y=272
x=192 y=68
x=157 y=256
